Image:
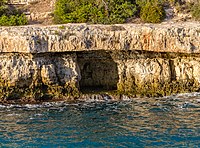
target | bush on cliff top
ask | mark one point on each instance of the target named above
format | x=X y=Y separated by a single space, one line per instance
x=196 y=11
x=13 y=20
x=94 y=11
x=108 y=11
x=11 y=16
x=152 y=12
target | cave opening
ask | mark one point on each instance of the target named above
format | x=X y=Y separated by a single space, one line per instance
x=98 y=70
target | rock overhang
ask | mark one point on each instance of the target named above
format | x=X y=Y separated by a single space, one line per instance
x=177 y=37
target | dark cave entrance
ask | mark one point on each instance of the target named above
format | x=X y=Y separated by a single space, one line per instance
x=98 y=71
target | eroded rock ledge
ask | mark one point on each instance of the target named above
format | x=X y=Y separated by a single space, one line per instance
x=54 y=62
x=183 y=37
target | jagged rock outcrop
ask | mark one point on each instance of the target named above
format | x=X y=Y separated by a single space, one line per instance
x=64 y=60
x=181 y=38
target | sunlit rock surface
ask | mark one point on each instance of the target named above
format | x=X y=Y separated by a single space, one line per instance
x=65 y=60
x=183 y=37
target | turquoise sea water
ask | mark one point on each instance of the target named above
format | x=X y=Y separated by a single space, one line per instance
x=140 y=122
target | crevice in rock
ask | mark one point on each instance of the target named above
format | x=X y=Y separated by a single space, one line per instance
x=172 y=70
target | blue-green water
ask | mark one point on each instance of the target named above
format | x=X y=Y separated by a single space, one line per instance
x=149 y=122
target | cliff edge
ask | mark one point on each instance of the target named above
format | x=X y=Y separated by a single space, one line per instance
x=66 y=61
x=164 y=37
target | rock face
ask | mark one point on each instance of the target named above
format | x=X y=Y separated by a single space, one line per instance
x=24 y=70
x=62 y=61
x=181 y=38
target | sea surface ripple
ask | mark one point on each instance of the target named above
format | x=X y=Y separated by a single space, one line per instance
x=172 y=121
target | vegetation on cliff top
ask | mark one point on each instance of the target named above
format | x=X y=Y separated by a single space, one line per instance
x=152 y=12
x=9 y=16
x=94 y=11
x=196 y=11
x=107 y=11
x=119 y=11
x=103 y=11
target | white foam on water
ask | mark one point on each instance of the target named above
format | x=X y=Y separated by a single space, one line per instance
x=2 y=106
x=180 y=101
x=13 y=114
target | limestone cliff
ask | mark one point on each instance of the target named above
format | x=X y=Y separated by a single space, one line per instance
x=65 y=60
x=182 y=38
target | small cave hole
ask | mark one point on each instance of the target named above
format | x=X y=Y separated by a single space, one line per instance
x=98 y=72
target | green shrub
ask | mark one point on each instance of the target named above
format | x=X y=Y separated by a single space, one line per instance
x=13 y=20
x=152 y=12
x=161 y=2
x=196 y=11
x=93 y=11
x=2 y=2
x=11 y=16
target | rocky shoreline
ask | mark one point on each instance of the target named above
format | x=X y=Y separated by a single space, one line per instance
x=64 y=62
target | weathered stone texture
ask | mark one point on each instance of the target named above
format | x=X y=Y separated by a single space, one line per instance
x=81 y=37
x=137 y=59
x=26 y=70
x=17 y=69
x=140 y=72
x=187 y=69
